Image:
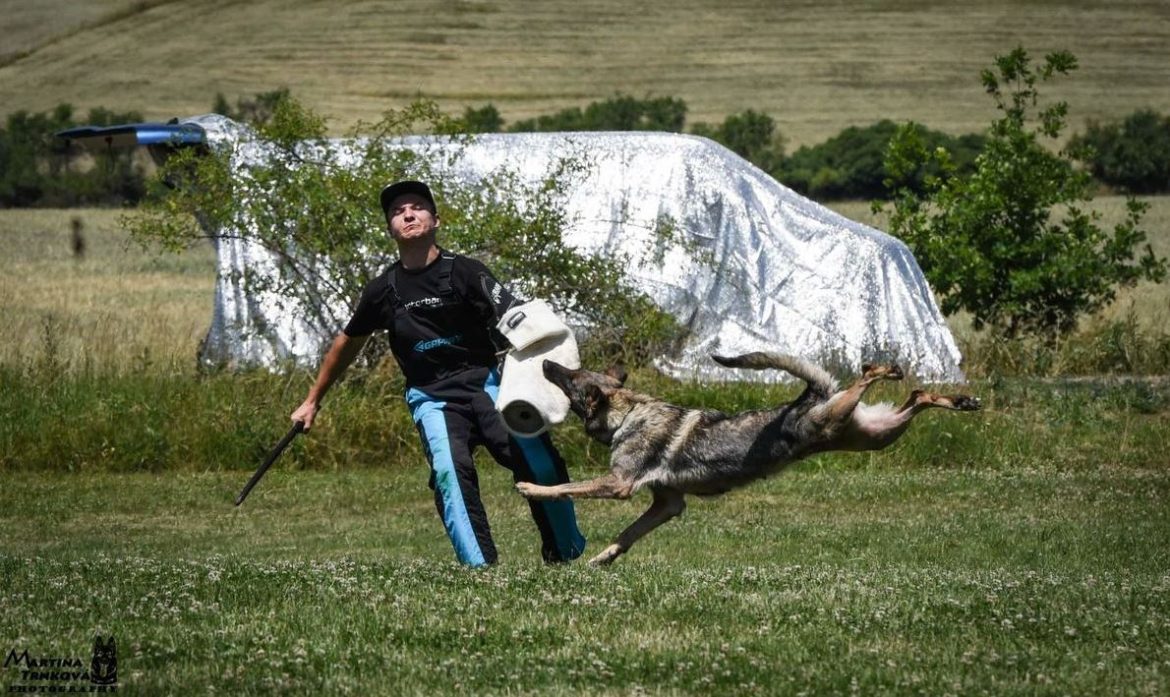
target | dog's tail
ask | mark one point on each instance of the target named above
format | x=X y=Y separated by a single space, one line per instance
x=817 y=377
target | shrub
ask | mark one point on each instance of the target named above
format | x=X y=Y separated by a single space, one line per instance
x=619 y=113
x=751 y=135
x=1133 y=156
x=851 y=165
x=38 y=169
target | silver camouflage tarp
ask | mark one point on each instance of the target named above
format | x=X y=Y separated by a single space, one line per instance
x=783 y=273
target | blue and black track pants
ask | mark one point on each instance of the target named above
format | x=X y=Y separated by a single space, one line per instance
x=452 y=421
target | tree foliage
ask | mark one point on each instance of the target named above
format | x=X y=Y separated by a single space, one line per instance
x=851 y=165
x=38 y=169
x=750 y=134
x=311 y=203
x=1133 y=155
x=618 y=113
x=1011 y=243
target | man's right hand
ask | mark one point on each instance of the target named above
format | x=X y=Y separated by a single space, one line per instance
x=306 y=413
x=344 y=349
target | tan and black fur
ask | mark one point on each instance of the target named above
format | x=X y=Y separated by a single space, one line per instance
x=674 y=450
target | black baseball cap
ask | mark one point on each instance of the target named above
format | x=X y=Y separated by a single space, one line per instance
x=408 y=186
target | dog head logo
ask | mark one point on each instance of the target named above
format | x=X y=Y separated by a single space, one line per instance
x=598 y=398
x=103 y=669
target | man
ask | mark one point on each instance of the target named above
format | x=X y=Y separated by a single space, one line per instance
x=441 y=310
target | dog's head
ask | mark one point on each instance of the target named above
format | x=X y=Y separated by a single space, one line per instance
x=596 y=397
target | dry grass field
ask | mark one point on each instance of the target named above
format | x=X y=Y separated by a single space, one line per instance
x=117 y=307
x=816 y=67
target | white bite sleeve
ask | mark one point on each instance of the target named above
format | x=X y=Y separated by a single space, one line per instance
x=529 y=403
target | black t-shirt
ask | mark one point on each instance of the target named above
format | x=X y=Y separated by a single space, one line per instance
x=433 y=335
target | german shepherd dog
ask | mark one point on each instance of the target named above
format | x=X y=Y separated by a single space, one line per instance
x=674 y=450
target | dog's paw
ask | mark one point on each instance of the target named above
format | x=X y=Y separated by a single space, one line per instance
x=527 y=489
x=886 y=372
x=607 y=555
x=964 y=403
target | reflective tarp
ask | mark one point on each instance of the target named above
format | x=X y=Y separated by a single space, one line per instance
x=781 y=273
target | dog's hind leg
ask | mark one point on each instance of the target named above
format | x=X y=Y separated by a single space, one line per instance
x=667 y=504
x=608 y=486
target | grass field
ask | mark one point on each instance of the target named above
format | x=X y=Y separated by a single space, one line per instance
x=1021 y=550
x=871 y=581
x=815 y=67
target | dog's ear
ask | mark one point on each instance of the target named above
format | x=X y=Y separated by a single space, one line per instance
x=594 y=399
x=618 y=372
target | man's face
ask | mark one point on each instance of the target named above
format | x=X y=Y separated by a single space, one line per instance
x=410 y=217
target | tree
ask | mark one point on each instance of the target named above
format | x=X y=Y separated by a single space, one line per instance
x=750 y=134
x=1011 y=242
x=1133 y=156
x=618 y=113
x=485 y=119
x=308 y=202
x=851 y=164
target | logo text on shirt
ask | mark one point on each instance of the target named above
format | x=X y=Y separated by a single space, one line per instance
x=424 y=302
x=424 y=346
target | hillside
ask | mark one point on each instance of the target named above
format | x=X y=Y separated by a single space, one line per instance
x=816 y=67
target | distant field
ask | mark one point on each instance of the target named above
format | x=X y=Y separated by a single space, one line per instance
x=32 y=25
x=815 y=67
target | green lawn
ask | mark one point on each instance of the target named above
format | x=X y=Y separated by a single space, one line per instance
x=870 y=580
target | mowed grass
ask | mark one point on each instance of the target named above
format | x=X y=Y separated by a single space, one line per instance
x=814 y=67
x=1020 y=550
x=888 y=581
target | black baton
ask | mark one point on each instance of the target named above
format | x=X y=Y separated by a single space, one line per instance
x=297 y=427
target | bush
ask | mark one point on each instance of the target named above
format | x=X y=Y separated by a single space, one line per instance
x=38 y=169
x=619 y=113
x=257 y=110
x=851 y=165
x=750 y=134
x=486 y=119
x=1133 y=156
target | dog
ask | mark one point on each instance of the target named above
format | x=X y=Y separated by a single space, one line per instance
x=675 y=451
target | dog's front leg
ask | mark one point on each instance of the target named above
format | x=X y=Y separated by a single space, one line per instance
x=837 y=410
x=667 y=504
x=877 y=429
x=608 y=486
